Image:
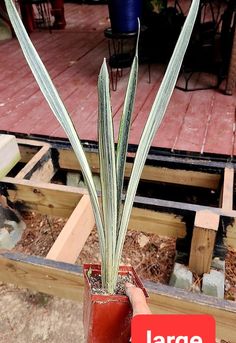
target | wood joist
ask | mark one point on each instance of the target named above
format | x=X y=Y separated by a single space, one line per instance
x=31 y=187
x=66 y=280
x=64 y=158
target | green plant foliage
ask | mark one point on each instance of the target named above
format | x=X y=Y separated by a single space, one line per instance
x=107 y=174
x=112 y=217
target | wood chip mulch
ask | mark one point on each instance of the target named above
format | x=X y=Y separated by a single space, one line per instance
x=230 y=274
x=40 y=233
x=151 y=256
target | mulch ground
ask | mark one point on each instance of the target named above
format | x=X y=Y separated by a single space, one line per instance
x=152 y=256
x=40 y=233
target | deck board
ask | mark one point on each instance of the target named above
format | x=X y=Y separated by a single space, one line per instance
x=201 y=122
x=192 y=133
x=171 y=125
x=220 y=135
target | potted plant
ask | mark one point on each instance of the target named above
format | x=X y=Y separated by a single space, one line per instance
x=123 y=15
x=112 y=217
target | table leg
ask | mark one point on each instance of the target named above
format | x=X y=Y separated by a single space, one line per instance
x=231 y=79
x=27 y=15
x=58 y=13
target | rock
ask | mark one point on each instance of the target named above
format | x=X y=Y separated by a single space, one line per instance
x=11 y=227
x=142 y=240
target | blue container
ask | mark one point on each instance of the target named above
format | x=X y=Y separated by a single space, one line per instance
x=124 y=14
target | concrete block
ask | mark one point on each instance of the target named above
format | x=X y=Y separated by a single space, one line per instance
x=82 y=184
x=9 y=154
x=97 y=182
x=73 y=179
x=213 y=284
x=218 y=264
x=181 y=277
x=5 y=240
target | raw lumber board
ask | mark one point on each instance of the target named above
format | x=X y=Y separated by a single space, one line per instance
x=40 y=167
x=66 y=280
x=67 y=160
x=147 y=215
x=9 y=154
x=73 y=236
x=165 y=299
x=46 y=198
x=203 y=240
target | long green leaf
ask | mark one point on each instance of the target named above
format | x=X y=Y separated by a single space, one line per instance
x=124 y=129
x=154 y=120
x=107 y=173
x=43 y=79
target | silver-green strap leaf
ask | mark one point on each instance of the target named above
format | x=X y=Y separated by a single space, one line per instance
x=107 y=172
x=51 y=95
x=125 y=123
x=154 y=120
x=124 y=129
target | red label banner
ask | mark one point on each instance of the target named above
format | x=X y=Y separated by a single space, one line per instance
x=173 y=329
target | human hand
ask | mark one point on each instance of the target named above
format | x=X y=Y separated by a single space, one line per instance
x=137 y=299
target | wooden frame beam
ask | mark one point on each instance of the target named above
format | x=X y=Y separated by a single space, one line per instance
x=66 y=280
x=73 y=236
x=40 y=167
x=159 y=216
x=9 y=153
x=170 y=300
x=162 y=217
x=203 y=240
x=28 y=148
x=46 y=198
x=228 y=189
x=68 y=160
x=60 y=200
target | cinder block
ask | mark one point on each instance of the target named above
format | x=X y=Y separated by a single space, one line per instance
x=218 y=264
x=213 y=284
x=97 y=182
x=73 y=179
x=181 y=277
x=5 y=239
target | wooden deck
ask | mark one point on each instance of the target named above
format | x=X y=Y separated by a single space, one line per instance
x=200 y=122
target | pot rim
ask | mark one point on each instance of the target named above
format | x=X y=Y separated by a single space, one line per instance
x=122 y=269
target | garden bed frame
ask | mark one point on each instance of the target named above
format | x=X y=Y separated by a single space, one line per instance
x=58 y=275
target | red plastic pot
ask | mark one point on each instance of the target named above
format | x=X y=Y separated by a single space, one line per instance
x=107 y=318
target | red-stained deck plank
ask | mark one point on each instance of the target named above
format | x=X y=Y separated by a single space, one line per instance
x=193 y=129
x=199 y=122
x=220 y=134
x=170 y=127
x=117 y=97
x=77 y=86
x=148 y=96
